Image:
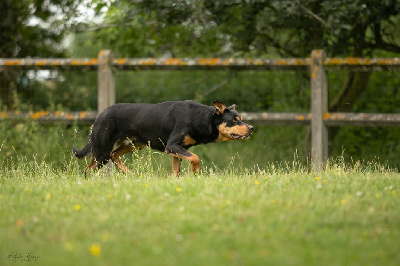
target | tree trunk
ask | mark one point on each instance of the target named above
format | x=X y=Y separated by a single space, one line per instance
x=8 y=31
x=7 y=89
x=355 y=84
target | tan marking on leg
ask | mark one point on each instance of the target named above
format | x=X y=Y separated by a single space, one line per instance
x=92 y=165
x=195 y=163
x=193 y=159
x=120 y=151
x=121 y=166
x=176 y=165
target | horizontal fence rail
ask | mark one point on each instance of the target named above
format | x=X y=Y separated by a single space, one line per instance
x=51 y=117
x=330 y=119
x=353 y=64
x=263 y=118
x=317 y=64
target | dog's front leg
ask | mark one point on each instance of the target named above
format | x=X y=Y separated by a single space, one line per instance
x=179 y=152
x=176 y=165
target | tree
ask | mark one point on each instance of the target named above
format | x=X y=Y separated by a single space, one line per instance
x=32 y=28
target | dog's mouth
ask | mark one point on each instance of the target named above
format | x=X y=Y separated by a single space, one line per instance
x=236 y=136
x=240 y=137
x=241 y=132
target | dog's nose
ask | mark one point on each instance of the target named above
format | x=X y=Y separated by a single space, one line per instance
x=251 y=129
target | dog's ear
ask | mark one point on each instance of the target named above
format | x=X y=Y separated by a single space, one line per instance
x=220 y=107
x=233 y=107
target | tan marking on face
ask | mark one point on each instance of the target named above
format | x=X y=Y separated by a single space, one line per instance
x=188 y=140
x=225 y=132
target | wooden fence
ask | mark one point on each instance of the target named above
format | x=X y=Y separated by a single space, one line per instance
x=319 y=118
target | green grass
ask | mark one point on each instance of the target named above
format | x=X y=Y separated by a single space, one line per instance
x=276 y=216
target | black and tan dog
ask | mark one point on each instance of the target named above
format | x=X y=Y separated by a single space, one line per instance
x=171 y=127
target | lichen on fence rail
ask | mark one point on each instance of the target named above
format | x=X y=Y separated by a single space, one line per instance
x=354 y=64
x=265 y=118
x=50 y=117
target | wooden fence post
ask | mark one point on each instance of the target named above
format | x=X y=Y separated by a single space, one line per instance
x=105 y=87
x=106 y=81
x=319 y=106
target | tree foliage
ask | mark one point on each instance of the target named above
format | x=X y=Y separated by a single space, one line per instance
x=35 y=28
x=251 y=28
x=32 y=28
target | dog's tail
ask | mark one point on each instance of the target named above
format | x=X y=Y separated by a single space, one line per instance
x=82 y=153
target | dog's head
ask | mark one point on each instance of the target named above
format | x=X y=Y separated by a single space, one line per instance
x=230 y=123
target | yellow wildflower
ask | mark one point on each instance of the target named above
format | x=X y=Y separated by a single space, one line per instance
x=77 y=207
x=95 y=250
x=256 y=182
x=178 y=189
x=317 y=178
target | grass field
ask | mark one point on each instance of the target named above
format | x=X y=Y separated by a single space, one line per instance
x=276 y=216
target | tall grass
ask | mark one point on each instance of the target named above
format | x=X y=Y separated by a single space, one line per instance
x=281 y=214
x=277 y=145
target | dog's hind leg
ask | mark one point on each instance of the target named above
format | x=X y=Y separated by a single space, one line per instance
x=121 y=150
x=92 y=165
